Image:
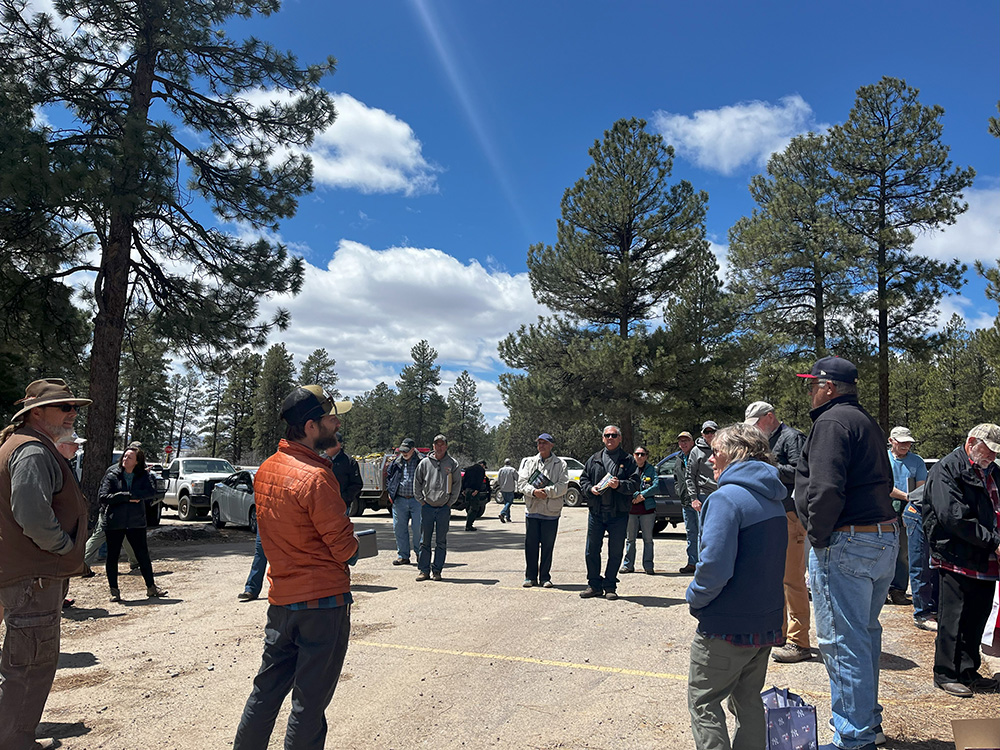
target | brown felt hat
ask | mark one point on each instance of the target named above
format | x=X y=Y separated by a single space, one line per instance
x=47 y=392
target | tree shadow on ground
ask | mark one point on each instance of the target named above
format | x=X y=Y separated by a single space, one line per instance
x=896 y=663
x=60 y=730
x=81 y=614
x=76 y=661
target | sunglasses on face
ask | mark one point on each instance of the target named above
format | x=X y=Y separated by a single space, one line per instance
x=611 y=435
x=640 y=453
x=64 y=407
x=708 y=432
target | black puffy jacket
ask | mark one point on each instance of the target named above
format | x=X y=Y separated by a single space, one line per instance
x=959 y=518
x=119 y=510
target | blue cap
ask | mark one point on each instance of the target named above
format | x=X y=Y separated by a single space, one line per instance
x=545 y=436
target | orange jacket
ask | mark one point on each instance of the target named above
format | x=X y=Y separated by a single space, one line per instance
x=304 y=528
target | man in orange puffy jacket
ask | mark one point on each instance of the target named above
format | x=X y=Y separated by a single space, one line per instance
x=309 y=541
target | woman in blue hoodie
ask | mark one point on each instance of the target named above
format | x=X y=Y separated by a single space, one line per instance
x=737 y=593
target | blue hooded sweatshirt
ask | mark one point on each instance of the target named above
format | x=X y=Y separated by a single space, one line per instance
x=737 y=587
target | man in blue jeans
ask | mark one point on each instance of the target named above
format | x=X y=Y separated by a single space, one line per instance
x=609 y=482
x=405 y=508
x=437 y=485
x=842 y=486
x=908 y=473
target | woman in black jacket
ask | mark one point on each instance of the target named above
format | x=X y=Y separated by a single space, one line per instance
x=123 y=494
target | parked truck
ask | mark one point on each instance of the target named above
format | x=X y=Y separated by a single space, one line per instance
x=190 y=481
x=373 y=470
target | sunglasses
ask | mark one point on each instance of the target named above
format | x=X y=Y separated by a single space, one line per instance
x=708 y=432
x=641 y=453
x=611 y=435
x=64 y=407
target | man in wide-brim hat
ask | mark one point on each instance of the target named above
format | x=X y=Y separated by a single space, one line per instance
x=43 y=530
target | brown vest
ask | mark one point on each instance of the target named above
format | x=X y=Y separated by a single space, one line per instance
x=20 y=558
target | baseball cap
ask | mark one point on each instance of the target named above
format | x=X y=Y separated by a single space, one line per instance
x=406 y=445
x=833 y=368
x=310 y=402
x=709 y=425
x=439 y=436
x=989 y=434
x=686 y=434
x=545 y=436
x=755 y=411
x=902 y=435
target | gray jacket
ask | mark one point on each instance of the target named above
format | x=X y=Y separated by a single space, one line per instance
x=700 y=474
x=437 y=483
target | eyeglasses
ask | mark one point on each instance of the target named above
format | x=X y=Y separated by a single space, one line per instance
x=64 y=407
x=641 y=453
x=611 y=435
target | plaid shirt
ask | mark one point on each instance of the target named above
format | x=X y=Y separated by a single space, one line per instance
x=993 y=571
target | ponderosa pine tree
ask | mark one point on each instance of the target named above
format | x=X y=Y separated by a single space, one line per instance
x=319 y=368
x=277 y=378
x=419 y=407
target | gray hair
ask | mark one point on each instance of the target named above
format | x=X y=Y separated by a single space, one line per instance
x=842 y=388
x=741 y=442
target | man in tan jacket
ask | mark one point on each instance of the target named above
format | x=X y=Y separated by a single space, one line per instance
x=543 y=481
x=43 y=530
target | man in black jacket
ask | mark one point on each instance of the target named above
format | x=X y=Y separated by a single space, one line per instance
x=961 y=514
x=609 y=481
x=348 y=474
x=842 y=485
x=785 y=444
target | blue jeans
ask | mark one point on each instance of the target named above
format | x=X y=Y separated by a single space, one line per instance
x=923 y=578
x=508 y=500
x=406 y=520
x=850 y=580
x=255 y=581
x=615 y=524
x=691 y=525
x=304 y=654
x=901 y=572
x=433 y=524
x=635 y=523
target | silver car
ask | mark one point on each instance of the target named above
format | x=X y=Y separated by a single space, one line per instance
x=232 y=501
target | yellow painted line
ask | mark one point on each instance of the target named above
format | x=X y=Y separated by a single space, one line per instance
x=525 y=660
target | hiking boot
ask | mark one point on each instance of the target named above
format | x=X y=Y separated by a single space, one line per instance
x=610 y=595
x=898 y=598
x=116 y=595
x=247 y=596
x=687 y=569
x=589 y=593
x=436 y=575
x=155 y=592
x=790 y=653
x=423 y=576
x=87 y=572
x=401 y=561
x=926 y=623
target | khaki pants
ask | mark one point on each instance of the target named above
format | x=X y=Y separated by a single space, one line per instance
x=796 y=627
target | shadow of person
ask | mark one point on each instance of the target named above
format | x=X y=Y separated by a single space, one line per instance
x=60 y=730
x=76 y=661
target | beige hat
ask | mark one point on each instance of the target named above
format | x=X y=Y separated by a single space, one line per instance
x=989 y=434
x=755 y=411
x=902 y=435
x=47 y=392
x=685 y=434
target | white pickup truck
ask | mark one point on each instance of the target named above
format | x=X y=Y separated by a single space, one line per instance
x=573 y=497
x=190 y=482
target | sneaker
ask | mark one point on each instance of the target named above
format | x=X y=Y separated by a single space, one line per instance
x=790 y=653
x=247 y=596
x=627 y=570
x=401 y=561
x=926 y=623
x=115 y=595
x=155 y=592
x=610 y=595
x=528 y=583
x=687 y=569
x=436 y=576
x=879 y=734
x=546 y=584
x=898 y=598
x=423 y=576
x=589 y=593
x=503 y=520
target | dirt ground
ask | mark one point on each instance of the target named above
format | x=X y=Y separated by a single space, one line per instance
x=475 y=661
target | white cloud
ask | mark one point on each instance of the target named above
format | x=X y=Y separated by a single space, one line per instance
x=974 y=236
x=730 y=137
x=368 y=308
x=366 y=149
x=975 y=318
x=370 y=150
x=721 y=253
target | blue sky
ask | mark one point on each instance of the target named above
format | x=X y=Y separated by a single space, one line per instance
x=462 y=123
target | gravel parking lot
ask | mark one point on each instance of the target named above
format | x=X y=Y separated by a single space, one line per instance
x=475 y=661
